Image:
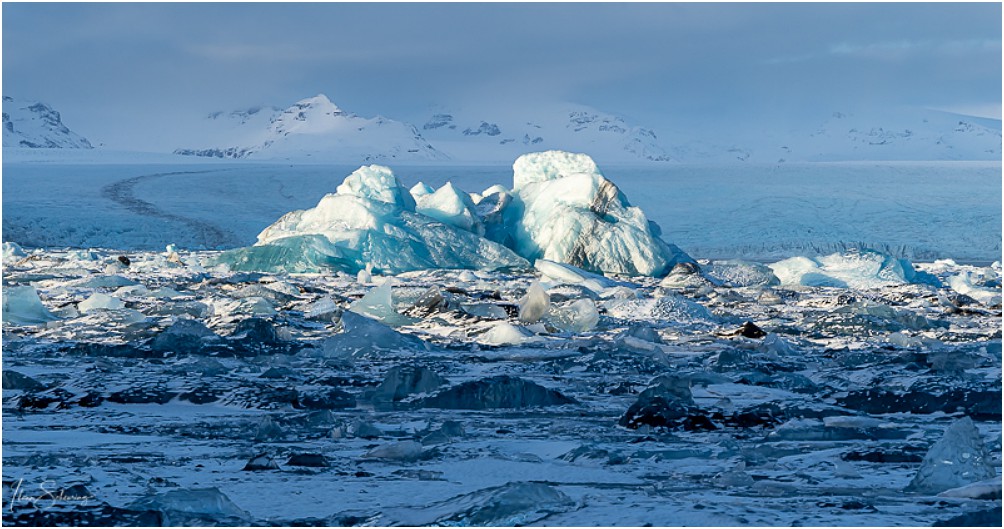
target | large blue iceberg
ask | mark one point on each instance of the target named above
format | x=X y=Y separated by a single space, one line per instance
x=560 y=209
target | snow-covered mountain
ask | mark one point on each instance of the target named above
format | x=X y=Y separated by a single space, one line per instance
x=505 y=135
x=312 y=129
x=30 y=124
x=885 y=135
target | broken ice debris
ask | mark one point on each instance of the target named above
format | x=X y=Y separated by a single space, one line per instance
x=361 y=335
x=402 y=381
x=22 y=306
x=505 y=333
x=855 y=268
x=182 y=506
x=958 y=459
x=512 y=504
x=534 y=304
x=378 y=304
x=502 y=391
x=734 y=273
x=400 y=451
x=184 y=336
x=670 y=308
x=100 y=301
x=668 y=403
x=578 y=316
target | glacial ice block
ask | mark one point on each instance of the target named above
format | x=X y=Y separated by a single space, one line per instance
x=561 y=209
x=22 y=306
x=572 y=214
x=958 y=459
x=855 y=268
x=370 y=221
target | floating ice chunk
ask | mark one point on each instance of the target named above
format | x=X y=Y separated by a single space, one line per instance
x=99 y=301
x=958 y=459
x=563 y=273
x=667 y=308
x=12 y=253
x=322 y=309
x=378 y=304
x=572 y=214
x=984 y=490
x=966 y=283
x=207 y=502
x=400 y=451
x=534 y=304
x=365 y=275
x=377 y=182
x=737 y=477
x=512 y=504
x=733 y=273
x=505 y=334
x=579 y=316
x=502 y=391
x=420 y=190
x=402 y=381
x=22 y=306
x=452 y=206
x=856 y=268
x=361 y=335
x=184 y=336
x=109 y=281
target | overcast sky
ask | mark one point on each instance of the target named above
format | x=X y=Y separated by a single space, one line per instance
x=143 y=67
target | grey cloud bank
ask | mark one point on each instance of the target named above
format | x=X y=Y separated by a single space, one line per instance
x=136 y=75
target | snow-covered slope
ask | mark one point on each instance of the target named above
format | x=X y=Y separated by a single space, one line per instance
x=882 y=135
x=30 y=124
x=311 y=129
x=504 y=135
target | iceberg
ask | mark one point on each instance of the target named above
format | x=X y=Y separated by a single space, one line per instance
x=22 y=306
x=856 y=268
x=572 y=214
x=370 y=220
x=561 y=209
